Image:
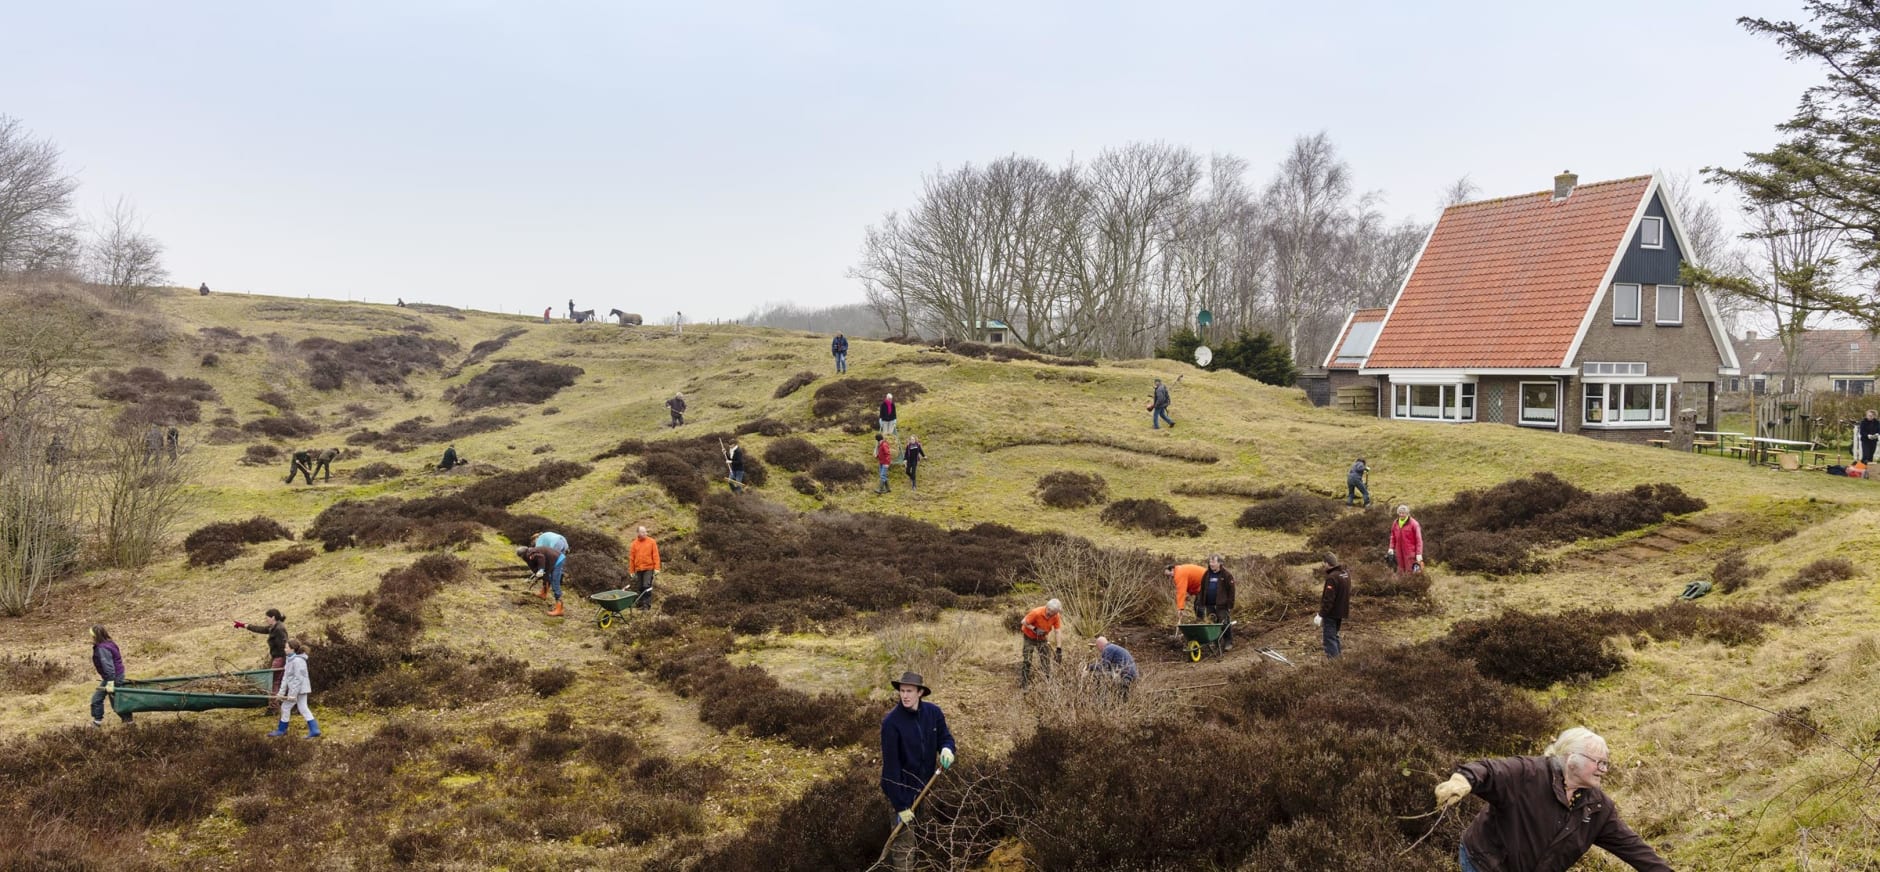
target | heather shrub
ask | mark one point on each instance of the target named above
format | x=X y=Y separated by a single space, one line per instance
x=278 y=400
x=286 y=557
x=793 y=453
x=1291 y=512
x=408 y=434
x=513 y=381
x=381 y=360
x=1732 y=625
x=763 y=427
x=838 y=823
x=832 y=472
x=510 y=488
x=261 y=455
x=804 y=485
x=1534 y=650
x=375 y=471
x=1819 y=573
x=152 y=398
x=1486 y=552
x=689 y=468
x=220 y=542
x=30 y=673
x=482 y=350
x=551 y=681
x=793 y=384
x=626 y=447
x=856 y=402
x=1072 y=490
x=286 y=425
x=1733 y=571
x=1152 y=515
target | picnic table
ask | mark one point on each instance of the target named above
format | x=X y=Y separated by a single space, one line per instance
x=1762 y=447
x=1722 y=440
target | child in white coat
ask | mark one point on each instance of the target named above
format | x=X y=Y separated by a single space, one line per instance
x=295 y=688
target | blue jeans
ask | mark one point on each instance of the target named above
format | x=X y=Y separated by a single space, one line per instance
x=842 y=361
x=1355 y=486
x=554 y=577
x=737 y=481
x=97 y=705
x=1462 y=854
x=1161 y=414
x=1328 y=629
x=884 y=476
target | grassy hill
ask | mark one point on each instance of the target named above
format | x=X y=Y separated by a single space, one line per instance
x=526 y=741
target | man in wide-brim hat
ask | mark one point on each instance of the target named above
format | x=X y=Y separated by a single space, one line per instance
x=914 y=740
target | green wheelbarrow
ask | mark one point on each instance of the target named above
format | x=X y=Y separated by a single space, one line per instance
x=191 y=693
x=613 y=604
x=1200 y=637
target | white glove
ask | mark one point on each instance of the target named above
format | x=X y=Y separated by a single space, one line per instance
x=537 y=575
x=1318 y=620
x=1452 y=791
x=907 y=816
x=946 y=758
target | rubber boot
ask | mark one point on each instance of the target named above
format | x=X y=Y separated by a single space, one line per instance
x=279 y=731
x=556 y=611
x=313 y=729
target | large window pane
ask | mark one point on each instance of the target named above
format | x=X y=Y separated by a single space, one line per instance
x=1625 y=303
x=1540 y=402
x=1426 y=401
x=1402 y=395
x=1595 y=403
x=1670 y=304
x=1637 y=404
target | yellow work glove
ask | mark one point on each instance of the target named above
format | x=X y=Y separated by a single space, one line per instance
x=907 y=817
x=1452 y=791
x=110 y=687
x=946 y=758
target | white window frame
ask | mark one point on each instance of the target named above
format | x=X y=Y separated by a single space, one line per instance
x=1638 y=302
x=1553 y=414
x=1612 y=394
x=1842 y=383
x=1455 y=402
x=1643 y=236
x=1677 y=319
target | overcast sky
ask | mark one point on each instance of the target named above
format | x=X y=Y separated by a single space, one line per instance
x=712 y=157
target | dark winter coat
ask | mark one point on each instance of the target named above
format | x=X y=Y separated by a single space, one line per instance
x=1335 y=602
x=1869 y=429
x=1223 y=584
x=735 y=457
x=910 y=748
x=108 y=660
x=1532 y=825
x=839 y=345
x=913 y=454
x=1161 y=396
x=887 y=410
x=277 y=637
x=676 y=405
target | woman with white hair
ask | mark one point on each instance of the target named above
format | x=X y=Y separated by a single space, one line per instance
x=1544 y=812
x=1041 y=631
x=1406 y=542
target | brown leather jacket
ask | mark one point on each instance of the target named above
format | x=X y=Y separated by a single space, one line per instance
x=1335 y=601
x=1532 y=825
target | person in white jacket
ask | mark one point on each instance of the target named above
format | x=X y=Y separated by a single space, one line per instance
x=295 y=688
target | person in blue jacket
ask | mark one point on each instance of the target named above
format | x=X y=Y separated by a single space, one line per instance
x=839 y=347
x=557 y=543
x=914 y=739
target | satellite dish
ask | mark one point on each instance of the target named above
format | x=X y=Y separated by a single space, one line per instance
x=1203 y=356
x=1203 y=318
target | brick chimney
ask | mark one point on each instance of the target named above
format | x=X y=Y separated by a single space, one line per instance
x=1563 y=184
x=1749 y=336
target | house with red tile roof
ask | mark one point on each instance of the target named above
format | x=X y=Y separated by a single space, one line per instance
x=1559 y=310
x=1841 y=361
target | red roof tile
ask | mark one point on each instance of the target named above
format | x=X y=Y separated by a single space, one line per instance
x=1506 y=283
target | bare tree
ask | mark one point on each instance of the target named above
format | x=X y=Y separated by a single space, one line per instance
x=1460 y=191
x=1307 y=204
x=122 y=259
x=137 y=497
x=35 y=202
x=45 y=352
x=1101 y=588
x=1791 y=275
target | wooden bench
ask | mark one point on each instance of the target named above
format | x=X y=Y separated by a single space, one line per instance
x=1699 y=445
x=1658 y=443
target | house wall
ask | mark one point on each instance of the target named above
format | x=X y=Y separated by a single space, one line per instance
x=1686 y=351
x=1651 y=266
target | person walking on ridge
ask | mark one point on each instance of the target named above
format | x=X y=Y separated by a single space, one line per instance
x=839 y=347
x=1158 y=405
x=884 y=458
x=911 y=456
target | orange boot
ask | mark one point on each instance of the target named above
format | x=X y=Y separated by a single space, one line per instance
x=556 y=611
x=543 y=593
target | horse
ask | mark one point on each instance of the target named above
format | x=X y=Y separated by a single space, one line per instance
x=581 y=317
x=626 y=319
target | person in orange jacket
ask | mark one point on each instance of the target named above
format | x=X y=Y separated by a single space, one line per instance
x=643 y=564
x=1039 y=628
x=1187 y=578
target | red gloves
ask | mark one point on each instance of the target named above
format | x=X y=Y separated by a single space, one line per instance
x=239 y=625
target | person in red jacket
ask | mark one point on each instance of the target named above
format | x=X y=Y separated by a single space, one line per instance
x=643 y=565
x=884 y=457
x=1187 y=578
x=1544 y=812
x=1406 y=542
